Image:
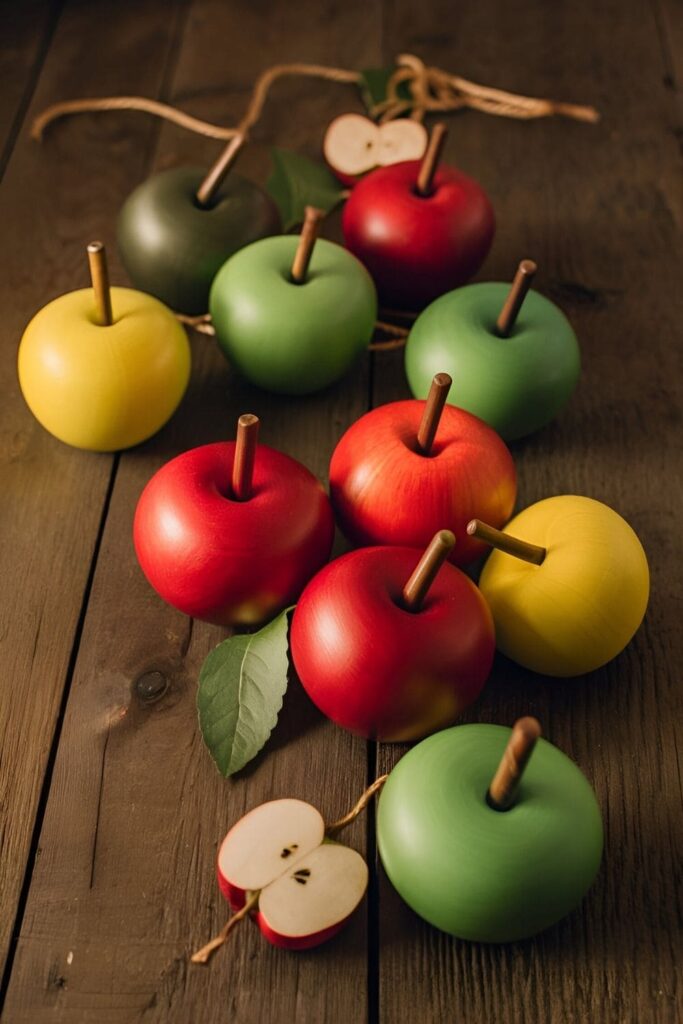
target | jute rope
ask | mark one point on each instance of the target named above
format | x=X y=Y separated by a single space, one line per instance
x=399 y=335
x=430 y=90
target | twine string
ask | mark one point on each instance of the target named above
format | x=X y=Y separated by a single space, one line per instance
x=431 y=90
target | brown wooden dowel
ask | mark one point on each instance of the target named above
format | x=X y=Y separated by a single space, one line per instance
x=516 y=296
x=503 y=788
x=99 y=275
x=436 y=399
x=430 y=160
x=504 y=542
x=245 y=454
x=307 y=238
x=216 y=174
x=417 y=587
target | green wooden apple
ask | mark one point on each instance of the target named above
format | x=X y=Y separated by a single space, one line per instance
x=289 y=337
x=478 y=873
x=516 y=383
x=172 y=246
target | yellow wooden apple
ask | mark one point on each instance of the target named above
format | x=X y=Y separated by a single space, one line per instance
x=103 y=382
x=582 y=604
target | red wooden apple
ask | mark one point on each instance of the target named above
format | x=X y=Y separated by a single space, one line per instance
x=407 y=469
x=420 y=231
x=231 y=533
x=390 y=659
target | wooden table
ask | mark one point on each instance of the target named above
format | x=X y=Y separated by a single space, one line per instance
x=111 y=808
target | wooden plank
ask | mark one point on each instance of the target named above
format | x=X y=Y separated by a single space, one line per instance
x=27 y=30
x=53 y=495
x=595 y=206
x=124 y=887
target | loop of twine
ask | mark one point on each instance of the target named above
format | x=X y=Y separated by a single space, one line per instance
x=430 y=90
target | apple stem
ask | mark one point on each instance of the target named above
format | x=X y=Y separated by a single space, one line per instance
x=417 y=587
x=245 y=455
x=99 y=275
x=217 y=173
x=358 y=808
x=309 y=232
x=533 y=553
x=516 y=296
x=430 y=160
x=203 y=955
x=520 y=747
x=436 y=399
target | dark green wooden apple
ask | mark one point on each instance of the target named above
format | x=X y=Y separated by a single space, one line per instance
x=172 y=246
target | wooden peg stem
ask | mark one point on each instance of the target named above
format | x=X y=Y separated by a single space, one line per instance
x=245 y=454
x=216 y=174
x=436 y=399
x=99 y=275
x=516 y=296
x=417 y=587
x=307 y=238
x=430 y=160
x=504 y=542
x=503 y=788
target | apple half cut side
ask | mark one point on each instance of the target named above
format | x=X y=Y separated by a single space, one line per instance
x=354 y=145
x=264 y=844
x=314 y=899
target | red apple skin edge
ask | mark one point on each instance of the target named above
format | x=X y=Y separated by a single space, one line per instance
x=228 y=561
x=384 y=491
x=416 y=248
x=237 y=897
x=379 y=670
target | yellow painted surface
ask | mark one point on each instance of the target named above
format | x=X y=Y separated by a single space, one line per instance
x=104 y=388
x=581 y=607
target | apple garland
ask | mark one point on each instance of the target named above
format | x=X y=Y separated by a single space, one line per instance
x=556 y=569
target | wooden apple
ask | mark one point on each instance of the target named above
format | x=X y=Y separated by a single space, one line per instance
x=102 y=368
x=391 y=645
x=406 y=469
x=419 y=230
x=307 y=887
x=231 y=533
x=482 y=868
x=354 y=145
x=567 y=584
x=179 y=227
x=291 y=314
x=516 y=365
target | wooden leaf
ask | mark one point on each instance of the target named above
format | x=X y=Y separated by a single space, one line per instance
x=241 y=686
x=297 y=182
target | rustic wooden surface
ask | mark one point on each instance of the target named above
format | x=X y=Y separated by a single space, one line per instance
x=111 y=809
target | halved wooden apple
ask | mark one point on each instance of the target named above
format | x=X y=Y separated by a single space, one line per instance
x=354 y=145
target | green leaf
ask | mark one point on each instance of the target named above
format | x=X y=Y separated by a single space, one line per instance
x=373 y=86
x=241 y=686
x=297 y=182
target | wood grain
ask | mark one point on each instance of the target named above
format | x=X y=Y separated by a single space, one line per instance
x=53 y=496
x=125 y=878
x=595 y=207
x=122 y=888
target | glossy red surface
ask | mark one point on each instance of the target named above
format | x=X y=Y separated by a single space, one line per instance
x=379 y=670
x=384 y=491
x=418 y=248
x=299 y=942
x=227 y=561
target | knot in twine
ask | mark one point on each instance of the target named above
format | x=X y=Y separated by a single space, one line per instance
x=434 y=90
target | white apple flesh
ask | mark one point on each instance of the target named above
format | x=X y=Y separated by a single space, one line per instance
x=354 y=145
x=307 y=887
